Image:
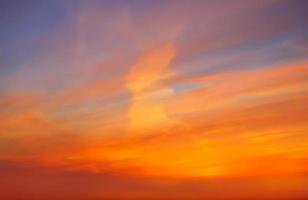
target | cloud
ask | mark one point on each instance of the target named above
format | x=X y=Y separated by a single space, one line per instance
x=241 y=87
x=145 y=82
x=161 y=99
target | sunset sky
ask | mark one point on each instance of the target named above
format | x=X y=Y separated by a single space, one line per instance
x=161 y=99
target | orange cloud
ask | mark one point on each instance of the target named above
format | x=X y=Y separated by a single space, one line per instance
x=145 y=82
x=232 y=120
x=234 y=88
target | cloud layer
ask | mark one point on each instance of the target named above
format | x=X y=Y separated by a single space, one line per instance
x=157 y=99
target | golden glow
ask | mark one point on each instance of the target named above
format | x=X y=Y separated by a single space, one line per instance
x=145 y=84
x=153 y=100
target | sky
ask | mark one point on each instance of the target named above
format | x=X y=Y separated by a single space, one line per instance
x=164 y=99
